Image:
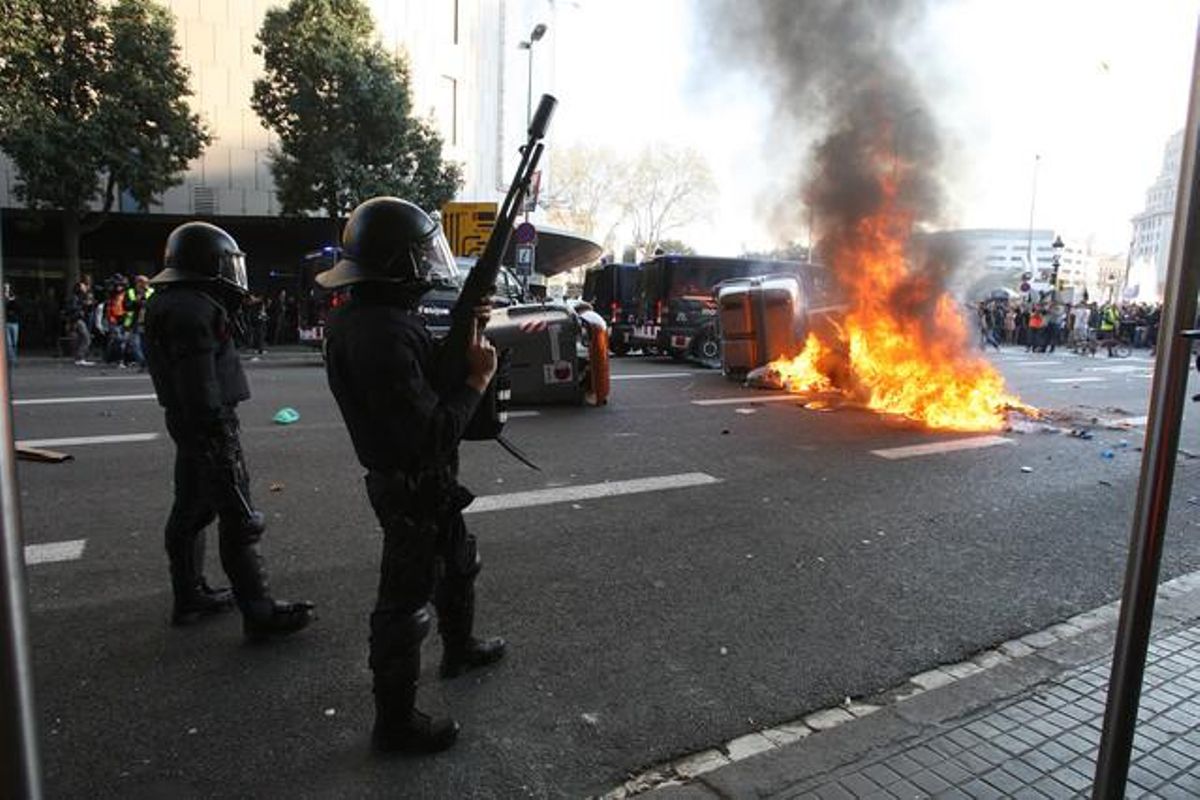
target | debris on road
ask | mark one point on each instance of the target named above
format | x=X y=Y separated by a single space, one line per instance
x=275 y=486
x=1107 y=454
x=25 y=453
x=1026 y=469
x=591 y=719
x=286 y=416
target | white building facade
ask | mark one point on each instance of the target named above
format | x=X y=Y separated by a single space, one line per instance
x=467 y=76
x=1150 y=245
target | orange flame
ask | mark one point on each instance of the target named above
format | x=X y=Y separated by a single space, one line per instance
x=918 y=365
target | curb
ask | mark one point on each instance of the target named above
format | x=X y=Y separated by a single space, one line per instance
x=835 y=736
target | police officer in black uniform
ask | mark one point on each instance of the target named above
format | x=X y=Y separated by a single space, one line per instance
x=381 y=364
x=199 y=380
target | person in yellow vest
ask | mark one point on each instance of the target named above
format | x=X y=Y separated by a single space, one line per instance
x=1109 y=319
x=135 y=320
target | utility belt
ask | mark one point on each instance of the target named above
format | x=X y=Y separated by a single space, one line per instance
x=434 y=493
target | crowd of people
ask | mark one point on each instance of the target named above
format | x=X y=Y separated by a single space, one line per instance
x=106 y=323
x=1045 y=324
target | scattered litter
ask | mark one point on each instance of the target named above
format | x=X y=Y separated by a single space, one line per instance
x=591 y=719
x=725 y=432
x=286 y=416
x=276 y=486
x=27 y=453
x=746 y=410
x=1104 y=483
x=1122 y=444
x=749 y=555
x=1026 y=469
x=576 y=506
x=880 y=533
x=866 y=541
x=1107 y=454
x=329 y=712
x=724 y=651
x=193 y=731
x=1079 y=433
x=1194 y=500
x=818 y=405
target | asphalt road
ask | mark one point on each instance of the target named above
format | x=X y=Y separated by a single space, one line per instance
x=779 y=565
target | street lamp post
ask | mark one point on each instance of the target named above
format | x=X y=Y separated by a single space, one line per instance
x=1056 y=261
x=536 y=34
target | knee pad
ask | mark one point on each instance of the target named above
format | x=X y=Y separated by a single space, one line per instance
x=395 y=634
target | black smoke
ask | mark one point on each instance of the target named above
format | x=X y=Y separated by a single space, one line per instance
x=840 y=81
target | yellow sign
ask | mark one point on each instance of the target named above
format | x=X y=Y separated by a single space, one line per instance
x=468 y=226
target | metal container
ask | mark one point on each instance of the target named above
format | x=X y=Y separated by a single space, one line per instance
x=543 y=340
x=762 y=319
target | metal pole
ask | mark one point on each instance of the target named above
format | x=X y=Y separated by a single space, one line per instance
x=1158 y=469
x=20 y=772
x=529 y=88
x=1032 y=203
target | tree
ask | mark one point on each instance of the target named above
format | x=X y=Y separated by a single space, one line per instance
x=665 y=189
x=342 y=109
x=583 y=196
x=95 y=100
x=675 y=246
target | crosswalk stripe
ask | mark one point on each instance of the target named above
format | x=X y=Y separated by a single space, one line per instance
x=750 y=398
x=70 y=550
x=1036 y=363
x=1075 y=380
x=589 y=491
x=651 y=375
x=109 y=398
x=893 y=453
x=74 y=441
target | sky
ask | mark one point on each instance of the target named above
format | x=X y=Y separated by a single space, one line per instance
x=1089 y=91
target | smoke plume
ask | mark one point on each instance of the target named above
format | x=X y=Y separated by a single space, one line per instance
x=839 y=81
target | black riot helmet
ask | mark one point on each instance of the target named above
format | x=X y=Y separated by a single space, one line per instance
x=199 y=252
x=390 y=240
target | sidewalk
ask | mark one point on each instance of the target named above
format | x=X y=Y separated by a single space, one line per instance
x=1023 y=720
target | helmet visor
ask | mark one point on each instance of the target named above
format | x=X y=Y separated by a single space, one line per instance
x=435 y=262
x=232 y=270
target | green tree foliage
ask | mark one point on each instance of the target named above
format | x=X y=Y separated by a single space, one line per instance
x=94 y=101
x=342 y=109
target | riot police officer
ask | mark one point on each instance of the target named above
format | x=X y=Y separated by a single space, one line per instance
x=199 y=381
x=380 y=362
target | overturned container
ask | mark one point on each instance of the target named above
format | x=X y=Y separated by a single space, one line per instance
x=762 y=319
x=544 y=341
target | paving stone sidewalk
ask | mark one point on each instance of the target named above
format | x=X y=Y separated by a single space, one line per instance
x=1028 y=728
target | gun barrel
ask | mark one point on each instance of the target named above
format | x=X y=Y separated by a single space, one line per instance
x=541 y=120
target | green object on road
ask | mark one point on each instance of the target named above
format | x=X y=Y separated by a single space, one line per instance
x=286 y=416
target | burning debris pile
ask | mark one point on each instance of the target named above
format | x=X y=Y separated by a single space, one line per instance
x=872 y=179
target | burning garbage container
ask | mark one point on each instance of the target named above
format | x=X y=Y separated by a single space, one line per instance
x=762 y=319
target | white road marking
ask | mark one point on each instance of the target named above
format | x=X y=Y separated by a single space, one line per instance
x=74 y=441
x=1131 y=421
x=641 y=376
x=71 y=550
x=893 y=453
x=1113 y=369
x=733 y=401
x=142 y=377
x=1036 y=363
x=588 y=491
x=110 y=398
x=516 y=414
x=1075 y=380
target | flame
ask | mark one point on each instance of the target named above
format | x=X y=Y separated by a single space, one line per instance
x=903 y=347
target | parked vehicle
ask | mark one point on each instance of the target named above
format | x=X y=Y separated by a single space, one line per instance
x=677 y=311
x=313 y=301
x=611 y=289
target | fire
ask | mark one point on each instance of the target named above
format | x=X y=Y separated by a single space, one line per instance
x=903 y=347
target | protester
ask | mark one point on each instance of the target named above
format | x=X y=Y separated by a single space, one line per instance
x=12 y=323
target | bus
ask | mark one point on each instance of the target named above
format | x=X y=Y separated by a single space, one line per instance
x=676 y=305
x=612 y=291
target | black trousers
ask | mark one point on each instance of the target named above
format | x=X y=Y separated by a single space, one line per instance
x=212 y=483
x=427 y=556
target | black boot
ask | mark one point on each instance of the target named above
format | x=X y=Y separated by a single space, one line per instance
x=396 y=663
x=456 y=617
x=194 y=598
x=459 y=657
x=202 y=601
x=276 y=618
x=262 y=616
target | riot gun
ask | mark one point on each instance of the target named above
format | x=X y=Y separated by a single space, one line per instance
x=489 y=419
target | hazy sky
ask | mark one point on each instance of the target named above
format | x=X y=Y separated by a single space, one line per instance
x=1092 y=87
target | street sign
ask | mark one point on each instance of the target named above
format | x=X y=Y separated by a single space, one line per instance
x=1025 y=287
x=524 y=260
x=468 y=226
x=525 y=233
